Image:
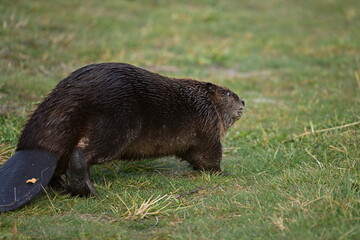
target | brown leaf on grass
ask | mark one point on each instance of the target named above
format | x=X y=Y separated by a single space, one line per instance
x=14 y=229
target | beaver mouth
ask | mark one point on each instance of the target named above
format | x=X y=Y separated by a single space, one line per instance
x=238 y=114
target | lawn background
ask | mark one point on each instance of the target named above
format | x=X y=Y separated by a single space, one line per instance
x=296 y=64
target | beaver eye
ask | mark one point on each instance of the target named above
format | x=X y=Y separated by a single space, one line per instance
x=228 y=94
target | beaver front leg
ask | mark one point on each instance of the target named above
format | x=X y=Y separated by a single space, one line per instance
x=205 y=157
x=78 y=175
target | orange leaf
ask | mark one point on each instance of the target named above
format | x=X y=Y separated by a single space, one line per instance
x=32 y=180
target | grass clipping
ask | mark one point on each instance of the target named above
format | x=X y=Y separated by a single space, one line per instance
x=140 y=209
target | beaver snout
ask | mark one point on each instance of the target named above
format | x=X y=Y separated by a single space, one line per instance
x=240 y=109
x=238 y=113
x=242 y=102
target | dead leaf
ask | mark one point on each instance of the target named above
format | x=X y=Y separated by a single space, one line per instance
x=14 y=230
x=32 y=180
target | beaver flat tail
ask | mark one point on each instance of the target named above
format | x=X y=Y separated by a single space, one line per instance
x=23 y=176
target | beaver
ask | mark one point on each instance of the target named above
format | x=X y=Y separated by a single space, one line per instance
x=109 y=111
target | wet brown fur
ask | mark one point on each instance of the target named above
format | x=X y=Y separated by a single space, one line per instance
x=119 y=111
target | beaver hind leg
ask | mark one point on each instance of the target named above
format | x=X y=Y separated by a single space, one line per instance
x=78 y=176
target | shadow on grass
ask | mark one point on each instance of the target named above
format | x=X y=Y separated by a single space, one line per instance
x=115 y=170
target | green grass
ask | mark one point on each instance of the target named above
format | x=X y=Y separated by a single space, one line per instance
x=297 y=65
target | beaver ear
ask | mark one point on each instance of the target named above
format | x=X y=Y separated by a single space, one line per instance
x=210 y=88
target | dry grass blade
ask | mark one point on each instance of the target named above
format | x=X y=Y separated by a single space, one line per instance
x=278 y=222
x=318 y=162
x=327 y=129
x=357 y=78
x=148 y=207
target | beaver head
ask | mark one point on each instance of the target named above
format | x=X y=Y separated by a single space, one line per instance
x=229 y=106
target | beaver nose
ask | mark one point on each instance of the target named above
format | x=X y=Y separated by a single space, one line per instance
x=242 y=102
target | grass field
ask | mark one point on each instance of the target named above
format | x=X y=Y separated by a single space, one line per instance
x=296 y=64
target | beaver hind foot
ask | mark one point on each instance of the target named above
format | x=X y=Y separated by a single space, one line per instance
x=78 y=176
